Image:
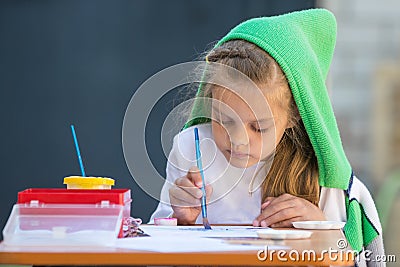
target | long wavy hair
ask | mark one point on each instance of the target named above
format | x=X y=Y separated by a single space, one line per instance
x=294 y=169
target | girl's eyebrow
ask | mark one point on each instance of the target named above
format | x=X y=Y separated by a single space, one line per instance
x=254 y=121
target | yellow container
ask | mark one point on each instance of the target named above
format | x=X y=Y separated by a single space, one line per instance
x=79 y=182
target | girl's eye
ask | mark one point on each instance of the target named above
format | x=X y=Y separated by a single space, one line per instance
x=259 y=130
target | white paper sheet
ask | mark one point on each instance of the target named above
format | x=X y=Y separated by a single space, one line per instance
x=192 y=239
x=199 y=231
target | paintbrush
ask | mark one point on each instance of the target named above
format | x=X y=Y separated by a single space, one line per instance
x=203 y=189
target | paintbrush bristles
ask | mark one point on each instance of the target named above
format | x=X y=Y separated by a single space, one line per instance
x=206 y=224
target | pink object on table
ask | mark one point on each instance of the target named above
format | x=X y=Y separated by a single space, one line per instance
x=166 y=221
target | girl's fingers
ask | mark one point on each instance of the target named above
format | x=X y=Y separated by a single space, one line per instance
x=195 y=177
x=282 y=215
x=181 y=198
x=269 y=199
x=186 y=192
x=185 y=184
x=265 y=204
x=275 y=206
x=285 y=209
x=286 y=223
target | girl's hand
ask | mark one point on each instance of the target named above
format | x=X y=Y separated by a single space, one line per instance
x=185 y=196
x=283 y=210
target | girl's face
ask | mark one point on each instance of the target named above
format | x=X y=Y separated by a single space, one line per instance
x=245 y=130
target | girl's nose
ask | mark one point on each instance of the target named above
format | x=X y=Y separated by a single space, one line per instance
x=239 y=136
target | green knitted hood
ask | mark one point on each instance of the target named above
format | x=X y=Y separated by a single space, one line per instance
x=302 y=43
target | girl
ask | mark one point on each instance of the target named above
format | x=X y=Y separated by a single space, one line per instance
x=271 y=149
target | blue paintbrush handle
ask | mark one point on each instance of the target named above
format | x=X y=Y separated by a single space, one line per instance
x=200 y=166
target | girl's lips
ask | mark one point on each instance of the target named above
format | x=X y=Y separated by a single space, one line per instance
x=238 y=154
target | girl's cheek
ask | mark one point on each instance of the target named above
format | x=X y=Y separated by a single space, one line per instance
x=268 y=144
x=256 y=147
x=219 y=133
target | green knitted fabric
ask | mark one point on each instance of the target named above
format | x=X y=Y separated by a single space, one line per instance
x=357 y=222
x=302 y=43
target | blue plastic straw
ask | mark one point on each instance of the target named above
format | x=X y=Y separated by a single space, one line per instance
x=77 y=151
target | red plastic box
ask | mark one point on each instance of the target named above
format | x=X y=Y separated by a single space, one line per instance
x=37 y=196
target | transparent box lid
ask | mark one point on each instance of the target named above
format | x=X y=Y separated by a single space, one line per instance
x=37 y=224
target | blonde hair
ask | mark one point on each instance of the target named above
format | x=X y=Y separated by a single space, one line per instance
x=294 y=169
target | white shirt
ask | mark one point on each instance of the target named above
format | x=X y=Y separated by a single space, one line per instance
x=236 y=196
